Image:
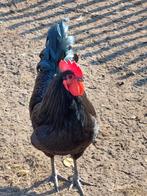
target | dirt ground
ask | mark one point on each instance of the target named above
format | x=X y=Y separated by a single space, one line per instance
x=111 y=40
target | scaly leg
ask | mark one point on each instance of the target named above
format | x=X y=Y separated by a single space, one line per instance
x=54 y=177
x=77 y=182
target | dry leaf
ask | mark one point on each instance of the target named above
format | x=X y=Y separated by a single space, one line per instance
x=16 y=166
x=68 y=162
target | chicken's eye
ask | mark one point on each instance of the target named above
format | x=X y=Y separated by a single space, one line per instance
x=70 y=77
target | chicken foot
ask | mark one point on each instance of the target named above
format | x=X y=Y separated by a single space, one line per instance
x=77 y=182
x=55 y=177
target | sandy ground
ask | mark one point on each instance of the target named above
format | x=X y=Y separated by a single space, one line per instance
x=111 y=40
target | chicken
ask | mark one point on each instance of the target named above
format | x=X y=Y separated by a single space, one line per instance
x=63 y=119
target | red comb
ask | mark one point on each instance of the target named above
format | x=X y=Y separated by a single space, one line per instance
x=72 y=66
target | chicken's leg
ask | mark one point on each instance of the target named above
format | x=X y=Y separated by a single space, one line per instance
x=54 y=177
x=76 y=180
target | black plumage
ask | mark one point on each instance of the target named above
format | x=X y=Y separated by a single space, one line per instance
x=63 y=124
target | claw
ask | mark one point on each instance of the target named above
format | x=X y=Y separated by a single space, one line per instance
x=87 y=183
x=75 y=182
x=54 y=179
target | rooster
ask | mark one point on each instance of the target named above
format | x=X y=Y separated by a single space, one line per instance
x=63 y=119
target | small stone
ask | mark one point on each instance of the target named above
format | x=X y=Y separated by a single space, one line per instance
x=145 y=158
x=133 y=117
x=120 y=83
x=22 y=173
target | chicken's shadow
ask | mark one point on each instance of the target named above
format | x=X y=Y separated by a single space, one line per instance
x=30 y=191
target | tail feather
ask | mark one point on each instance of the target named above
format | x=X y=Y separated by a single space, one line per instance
x=58 y=46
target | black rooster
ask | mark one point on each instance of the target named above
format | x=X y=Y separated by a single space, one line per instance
x=63 y=119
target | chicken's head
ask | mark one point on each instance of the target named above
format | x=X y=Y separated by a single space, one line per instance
x=73 y=77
